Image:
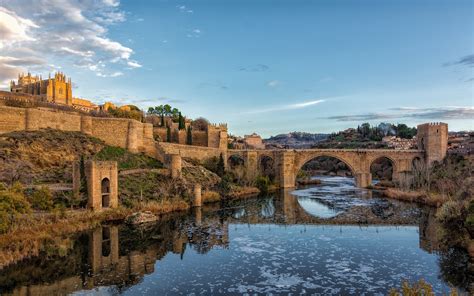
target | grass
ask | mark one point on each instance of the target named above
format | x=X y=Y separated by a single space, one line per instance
x=127 y=160
x=210 y=196
x=435 y=200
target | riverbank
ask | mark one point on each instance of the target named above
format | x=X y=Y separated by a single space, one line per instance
x=434 y=200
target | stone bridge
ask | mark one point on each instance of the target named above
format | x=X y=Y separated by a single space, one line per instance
x=431 y=138
x=287 y=163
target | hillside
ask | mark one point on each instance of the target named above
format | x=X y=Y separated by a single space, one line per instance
x=294 y=140
x=46 y=156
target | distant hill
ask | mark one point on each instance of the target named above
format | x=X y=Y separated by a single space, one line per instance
x=295 y=140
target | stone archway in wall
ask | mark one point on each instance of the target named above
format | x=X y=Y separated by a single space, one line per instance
x=309 y=158
x=383 y=168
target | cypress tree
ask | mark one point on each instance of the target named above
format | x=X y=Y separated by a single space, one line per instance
x=168 y=134
x=189 y=136
x=220 y=166
x=181 y=124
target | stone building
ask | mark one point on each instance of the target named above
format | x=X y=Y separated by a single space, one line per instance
x=399 y=143
x=56 y=90
x=254 y=141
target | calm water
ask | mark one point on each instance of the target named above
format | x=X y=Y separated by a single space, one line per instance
x=274 y=245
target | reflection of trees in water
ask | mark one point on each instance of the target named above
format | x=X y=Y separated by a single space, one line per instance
x=153 y=241
x=239 y=213
x=454 y=266
x=50 y=265
x=268 y=208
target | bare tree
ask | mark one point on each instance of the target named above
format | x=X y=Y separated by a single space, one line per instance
x=200 y=124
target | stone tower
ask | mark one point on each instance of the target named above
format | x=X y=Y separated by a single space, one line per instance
x=433 y=139
x=102 y=184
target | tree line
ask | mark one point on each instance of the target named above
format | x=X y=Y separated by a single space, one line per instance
x=377 y=132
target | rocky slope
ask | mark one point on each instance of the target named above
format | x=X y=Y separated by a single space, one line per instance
x=294 y=140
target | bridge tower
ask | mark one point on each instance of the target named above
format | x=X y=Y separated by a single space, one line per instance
x=433 y=139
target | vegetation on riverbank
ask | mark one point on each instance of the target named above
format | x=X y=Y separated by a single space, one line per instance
x=449 y=186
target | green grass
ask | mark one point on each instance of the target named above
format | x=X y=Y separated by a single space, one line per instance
x=127 y=160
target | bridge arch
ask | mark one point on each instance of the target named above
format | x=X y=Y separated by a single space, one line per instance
x=350 y=164
x=235 y=160
x=379 y=160
x=312 y=156
x=266 y=166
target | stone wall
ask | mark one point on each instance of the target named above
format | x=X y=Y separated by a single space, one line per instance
x=199 y=138
x=187 y=151
x=126 y=133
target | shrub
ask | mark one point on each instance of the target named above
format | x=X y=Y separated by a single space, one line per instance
x=449 y=211
x=226 y=183
x=12 y=203
x=42 y=199
x=418 y=288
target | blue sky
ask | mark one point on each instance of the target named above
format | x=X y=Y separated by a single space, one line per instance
x=261 y=66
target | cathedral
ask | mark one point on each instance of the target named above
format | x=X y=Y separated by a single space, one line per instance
x=54 y=90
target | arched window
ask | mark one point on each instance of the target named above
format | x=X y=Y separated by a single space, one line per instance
x=105 y=189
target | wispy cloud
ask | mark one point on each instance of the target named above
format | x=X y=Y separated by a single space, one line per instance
x=194 y=33
x=184 y=8
x=217 y=84
x=255 y=68
x=287 y=107
x=273 y=83
x=440 y=113
x=467 y=60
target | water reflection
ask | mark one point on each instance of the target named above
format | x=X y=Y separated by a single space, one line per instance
x=266 y=245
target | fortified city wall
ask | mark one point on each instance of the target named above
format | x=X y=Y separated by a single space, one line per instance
x=126 y=133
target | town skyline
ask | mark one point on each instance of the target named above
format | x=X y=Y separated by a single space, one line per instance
x=313 y=73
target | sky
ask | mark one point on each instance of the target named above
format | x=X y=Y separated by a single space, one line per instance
x=261 y=66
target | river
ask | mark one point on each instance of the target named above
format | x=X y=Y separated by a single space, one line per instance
x=327 y=239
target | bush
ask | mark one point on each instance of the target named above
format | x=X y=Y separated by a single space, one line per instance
x=12 y=203
x=226 y=183
x=42 y=199
x=450 y=211
x=262 y=183
x=418 y=288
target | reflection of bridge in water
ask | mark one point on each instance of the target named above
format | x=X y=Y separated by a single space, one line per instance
x=120 y=256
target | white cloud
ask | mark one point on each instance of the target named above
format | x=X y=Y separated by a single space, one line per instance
x=288 y=107
x=113 y=3
x=194 y=33
x=273 y=83
x=183 y=8
x=60 y=31
x=114 y=74
x=14 y=28
x=134 y=64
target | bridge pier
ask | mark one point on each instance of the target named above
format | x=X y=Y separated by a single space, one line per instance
x=363 y=180
x=286 y=175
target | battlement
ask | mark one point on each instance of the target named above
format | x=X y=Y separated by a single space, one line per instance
x=218 y=125
x=433 y=124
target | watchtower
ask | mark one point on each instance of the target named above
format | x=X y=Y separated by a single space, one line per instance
x=433 y=139
x=102 y=184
